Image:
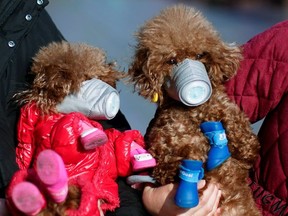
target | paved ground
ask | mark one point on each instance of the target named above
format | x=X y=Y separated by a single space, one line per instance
x=110 y=25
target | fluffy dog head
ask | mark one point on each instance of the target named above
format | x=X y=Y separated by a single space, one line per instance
x=59 y=70
x=178 y=33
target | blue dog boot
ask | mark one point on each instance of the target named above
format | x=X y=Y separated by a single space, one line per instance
x=219 y=151
x=191 y=172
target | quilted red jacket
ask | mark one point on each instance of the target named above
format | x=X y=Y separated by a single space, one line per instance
x=260 y=89
x=93 y=171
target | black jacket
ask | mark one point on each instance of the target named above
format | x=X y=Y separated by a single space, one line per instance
x=24 y=27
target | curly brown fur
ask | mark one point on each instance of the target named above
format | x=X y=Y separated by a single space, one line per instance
x=174 y=133
x=72 y=202
x=60 y=68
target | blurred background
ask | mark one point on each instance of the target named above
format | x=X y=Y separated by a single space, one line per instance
x=111 y=24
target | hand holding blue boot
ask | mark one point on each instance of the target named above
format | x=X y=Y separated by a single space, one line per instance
x=219 y=151
x=191 y=172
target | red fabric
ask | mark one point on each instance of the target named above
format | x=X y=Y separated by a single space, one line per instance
x=19 y=176
x=123 y=142
x=260 y=89
x=94 y=171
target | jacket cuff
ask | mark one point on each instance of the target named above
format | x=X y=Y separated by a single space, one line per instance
x=267 y=202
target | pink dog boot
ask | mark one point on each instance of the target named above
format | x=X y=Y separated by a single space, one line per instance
x=92 y=137
x=27 y=198
x=140 y=158
x=52 y=174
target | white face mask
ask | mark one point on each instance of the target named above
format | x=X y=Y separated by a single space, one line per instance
x=96 y=100
x=189 y=83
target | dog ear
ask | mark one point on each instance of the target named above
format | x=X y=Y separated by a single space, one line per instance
x=225 y=62
x=54 y=79
x=110 y=75
x=145 y=77
x=51 y=85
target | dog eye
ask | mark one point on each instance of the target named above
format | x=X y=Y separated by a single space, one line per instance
x=172 y=61
x=200 y=55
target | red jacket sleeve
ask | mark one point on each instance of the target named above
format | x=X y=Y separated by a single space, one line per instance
x=260 y=89
x=24 y=150
x=261 y=80
x=122 y=143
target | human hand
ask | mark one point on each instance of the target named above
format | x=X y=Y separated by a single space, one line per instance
x=160 y=201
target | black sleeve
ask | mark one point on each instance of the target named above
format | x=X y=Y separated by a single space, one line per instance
x=20 y=39
x=7 y=154
x=119 y=122
x=130 y=201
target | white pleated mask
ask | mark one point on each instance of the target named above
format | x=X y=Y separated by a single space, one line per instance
x=189 y=83
x=96 y=100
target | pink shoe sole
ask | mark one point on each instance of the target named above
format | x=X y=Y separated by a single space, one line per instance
x=27 y=198
x=51 y=171
x=93 y=138
x=143 y=161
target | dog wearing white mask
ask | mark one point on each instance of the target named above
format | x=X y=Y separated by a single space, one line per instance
x=59 y=134
x=181 y=63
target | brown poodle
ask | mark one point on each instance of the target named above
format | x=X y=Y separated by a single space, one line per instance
x=60 y=69
x=174 y=134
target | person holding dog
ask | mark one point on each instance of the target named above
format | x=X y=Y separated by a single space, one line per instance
x=260 y=89
x=25 y=27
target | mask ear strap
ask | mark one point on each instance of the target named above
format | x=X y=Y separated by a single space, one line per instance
x=155 y=98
